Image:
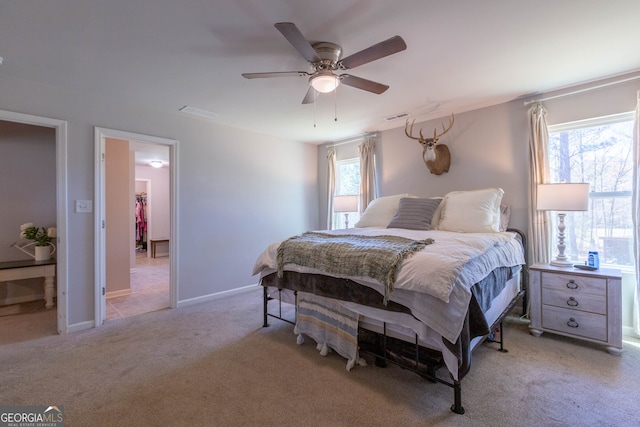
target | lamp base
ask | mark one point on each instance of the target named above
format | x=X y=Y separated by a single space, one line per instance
x=561 y=263
x=561 y=259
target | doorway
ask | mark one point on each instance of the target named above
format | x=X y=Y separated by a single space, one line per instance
x=147 y=285
x=60 y=127
x=134 y=264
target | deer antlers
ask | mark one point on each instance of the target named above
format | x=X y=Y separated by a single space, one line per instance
x=436 y=157
x=422 y=139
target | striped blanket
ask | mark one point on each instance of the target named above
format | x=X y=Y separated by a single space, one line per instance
x=330 y=325
x=378 y=257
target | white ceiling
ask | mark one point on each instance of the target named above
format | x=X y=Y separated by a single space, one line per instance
x=145 y=153
x=461 y=55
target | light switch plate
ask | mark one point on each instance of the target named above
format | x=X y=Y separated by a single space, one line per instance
x=84 y=206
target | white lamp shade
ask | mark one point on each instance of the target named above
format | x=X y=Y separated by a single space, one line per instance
x=325 y=81
x=563 y=197
x=345 y=203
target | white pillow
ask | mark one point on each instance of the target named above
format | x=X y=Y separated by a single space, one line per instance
x=476 y=211
x=380 y=211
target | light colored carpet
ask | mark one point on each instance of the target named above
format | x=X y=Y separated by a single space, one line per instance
x=214 y=365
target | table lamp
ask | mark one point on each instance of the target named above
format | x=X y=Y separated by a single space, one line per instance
x=561 y=198
x=345 y=204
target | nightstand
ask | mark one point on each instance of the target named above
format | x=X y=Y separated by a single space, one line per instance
x=577 y=303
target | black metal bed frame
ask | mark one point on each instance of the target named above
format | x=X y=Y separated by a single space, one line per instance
x=425 y=361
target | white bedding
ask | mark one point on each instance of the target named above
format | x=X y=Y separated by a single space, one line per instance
x=435 y=282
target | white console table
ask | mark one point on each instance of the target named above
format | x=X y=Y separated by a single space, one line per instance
x=18 y=270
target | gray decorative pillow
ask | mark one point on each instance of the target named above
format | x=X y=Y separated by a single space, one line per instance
x=414 y=213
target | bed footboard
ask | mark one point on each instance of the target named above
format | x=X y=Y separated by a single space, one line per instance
x=423 y=361
x=280 y=316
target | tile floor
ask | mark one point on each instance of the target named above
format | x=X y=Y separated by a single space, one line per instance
x=149 y=289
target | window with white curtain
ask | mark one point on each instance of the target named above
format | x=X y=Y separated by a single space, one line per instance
x=347 y=183
x=598 y=151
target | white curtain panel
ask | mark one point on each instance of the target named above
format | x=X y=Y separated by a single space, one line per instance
x=636 y=213
x=539 y=226
x=367 y=172
x=331 y=185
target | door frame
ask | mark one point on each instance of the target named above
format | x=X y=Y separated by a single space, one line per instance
x=60 y=127
x=100 y=134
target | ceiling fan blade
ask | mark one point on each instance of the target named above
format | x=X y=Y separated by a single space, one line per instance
x=297 y=40
x=379 y=50
x=275 y=74
x=364 y=84
x=311 y=96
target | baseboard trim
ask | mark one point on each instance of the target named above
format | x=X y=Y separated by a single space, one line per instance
x=120 y=293
x=80 y=326
x=216 y=296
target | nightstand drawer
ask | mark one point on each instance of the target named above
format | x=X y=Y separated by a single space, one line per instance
x=578 y=323
x=575 y=301
x=575 y=283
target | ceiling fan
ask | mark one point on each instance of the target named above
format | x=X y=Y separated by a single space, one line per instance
x=326 y=58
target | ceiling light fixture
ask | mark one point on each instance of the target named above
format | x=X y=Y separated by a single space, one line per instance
x=156 y=163
x=324 y=81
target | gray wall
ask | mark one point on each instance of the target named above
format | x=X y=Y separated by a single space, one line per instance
x=27 y=194
x=27 y=182
x=238 y=191
x=489 y=147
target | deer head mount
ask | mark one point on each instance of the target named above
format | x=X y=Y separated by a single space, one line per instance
x=436 y=156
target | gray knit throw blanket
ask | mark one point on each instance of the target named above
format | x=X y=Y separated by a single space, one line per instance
x=377 y=257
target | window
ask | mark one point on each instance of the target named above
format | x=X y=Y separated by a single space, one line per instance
x=598 y=151
x=347 y=183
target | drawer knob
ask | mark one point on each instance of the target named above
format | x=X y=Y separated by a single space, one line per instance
x=572 y=323
x=571 y=284
x=571 y=302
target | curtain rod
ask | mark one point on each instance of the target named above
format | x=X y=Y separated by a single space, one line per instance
x=349 y=141
x=582 y=90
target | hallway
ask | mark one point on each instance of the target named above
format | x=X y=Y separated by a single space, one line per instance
x=149 y=289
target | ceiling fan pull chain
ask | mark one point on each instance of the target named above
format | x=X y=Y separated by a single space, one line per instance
x=314 y=108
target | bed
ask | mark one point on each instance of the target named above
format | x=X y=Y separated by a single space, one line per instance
x=419 y=282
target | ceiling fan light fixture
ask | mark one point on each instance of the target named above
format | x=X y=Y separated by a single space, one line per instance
x=325 y=81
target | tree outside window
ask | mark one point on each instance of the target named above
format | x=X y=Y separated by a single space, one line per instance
x=599 y=152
